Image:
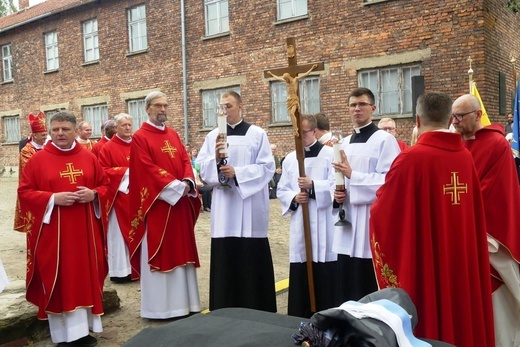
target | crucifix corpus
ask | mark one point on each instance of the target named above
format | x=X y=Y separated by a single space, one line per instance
x=290 y=75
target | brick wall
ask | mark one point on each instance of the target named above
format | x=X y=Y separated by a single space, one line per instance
x=339 y=33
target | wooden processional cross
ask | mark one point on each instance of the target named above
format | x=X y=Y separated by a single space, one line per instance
x=289 y=75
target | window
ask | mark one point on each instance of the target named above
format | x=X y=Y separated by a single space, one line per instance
x=291 y=8
x=210 y=105
x=90 y=40
x=137 y=28
x=392 y=88
x=309 y=90
x=7 y=63
x=137 y=109
x=217 y=19
x=11 y=128
x=95 y=115
x=51 y=51
x=49 y=114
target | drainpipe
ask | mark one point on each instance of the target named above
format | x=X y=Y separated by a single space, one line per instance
x=184 y=76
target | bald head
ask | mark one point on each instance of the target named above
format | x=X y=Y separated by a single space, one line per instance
x=467 y=115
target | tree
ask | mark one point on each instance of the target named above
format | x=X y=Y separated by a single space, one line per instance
x=7 y=7
x=513 y=5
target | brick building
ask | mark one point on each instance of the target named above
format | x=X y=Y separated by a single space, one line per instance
x=98 y=58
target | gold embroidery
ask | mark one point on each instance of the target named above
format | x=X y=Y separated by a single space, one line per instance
x=140 y=216
x=455 y=188
x=388 y=275
x=71 y=173
x=169 y=149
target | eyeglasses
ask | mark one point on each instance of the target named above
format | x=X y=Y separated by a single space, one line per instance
x=360 y=104
x=388 y=128
x=459 y=116
x=307 y=131
x=159 y=106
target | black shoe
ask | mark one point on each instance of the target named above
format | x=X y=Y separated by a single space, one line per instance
x=85 y=341
x=125 y=279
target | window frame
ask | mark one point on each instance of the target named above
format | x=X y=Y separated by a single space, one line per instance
x=52 y=63
x=221 y=19
x=210 y=104
x=16 y=127
x=137 y=25
x=96 y=115
x=90 y=40
x=7 y=63
x=383 y=88
x=294 y=11
x=141 y=117
x=310 y=102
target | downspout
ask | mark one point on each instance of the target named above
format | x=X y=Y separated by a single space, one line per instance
x=184 y=76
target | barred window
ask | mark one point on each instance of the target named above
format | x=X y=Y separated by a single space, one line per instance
x=96 y=115
x=309 y=90
x=210 y=105
x=11 y=125
x=392 y=88
x=137 y=109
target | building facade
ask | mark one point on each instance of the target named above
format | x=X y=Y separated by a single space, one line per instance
x=99 y=58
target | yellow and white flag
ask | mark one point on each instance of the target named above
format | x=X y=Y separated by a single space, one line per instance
x=484 y=119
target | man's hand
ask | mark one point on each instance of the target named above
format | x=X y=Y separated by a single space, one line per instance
x=302 y=198
x=344 y=166
x=219 y=145
x=85 y=194
x=304 y=182
x=340 y=196
x=228 y=171
x=65 y=198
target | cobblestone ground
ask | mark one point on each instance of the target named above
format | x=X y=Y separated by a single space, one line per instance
x=120 y=326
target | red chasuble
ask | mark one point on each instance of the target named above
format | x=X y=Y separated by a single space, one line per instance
x=25 y=154
x=114 y=157
x=158 y=158
x=98 y=145
x=66 y=259
x=428 y=237
x=500 y=191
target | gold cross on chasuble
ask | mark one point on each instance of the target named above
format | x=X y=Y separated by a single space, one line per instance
x=71 y=173
x=168 y=148
x=455 y=188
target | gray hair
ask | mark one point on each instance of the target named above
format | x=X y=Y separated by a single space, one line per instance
x=122 y=116
x=64 y=116
x=152 y=96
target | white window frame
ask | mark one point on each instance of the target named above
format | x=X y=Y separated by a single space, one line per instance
x=210 y=105
x=49 y=114
x=310 y=98
x=11 y=125
x=286 y=9
x=96 y=115
x=90 y=40
x=7 y=63
x=216 y=14
x=393 y=95
x=137 y=31
x=137 y=109
x=52 y=56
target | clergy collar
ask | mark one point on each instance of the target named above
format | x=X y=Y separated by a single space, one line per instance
x=234 y=125
x=80 y=140
x=127 y=141
x=325 y=137
x=160 y=127
x=313 y=150
x=37 y=146
x=308 y=148
x=65 y=149
x=362 y=129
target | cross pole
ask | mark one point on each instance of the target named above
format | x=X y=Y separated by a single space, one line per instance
x=293 y=70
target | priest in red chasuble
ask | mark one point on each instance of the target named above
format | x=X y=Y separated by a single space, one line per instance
x=107 y=131
x=164 y=207
x=33 y=145
x=433 y=242
x=499 y=183
x=114 y=157
x=66 y=258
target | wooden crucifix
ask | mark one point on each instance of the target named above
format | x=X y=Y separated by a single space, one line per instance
x=290 y=76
